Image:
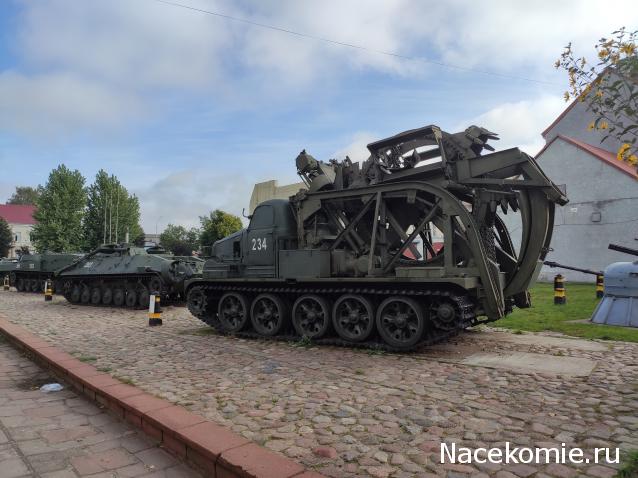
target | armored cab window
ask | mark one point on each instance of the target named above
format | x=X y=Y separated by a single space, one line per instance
x=263 y=217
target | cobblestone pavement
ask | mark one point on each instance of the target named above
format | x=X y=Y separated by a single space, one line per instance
x=351 y=413
x=62 y=435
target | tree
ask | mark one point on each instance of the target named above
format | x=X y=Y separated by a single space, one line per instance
x=60 y=208
x=140 y=239
x=216 y=225
x=180 y=241
x=111 y=213
x=609 y=88
x=24 y=195
x=6 y=238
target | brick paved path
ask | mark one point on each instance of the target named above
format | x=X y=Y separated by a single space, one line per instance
x=62 y=435
x=347 y=412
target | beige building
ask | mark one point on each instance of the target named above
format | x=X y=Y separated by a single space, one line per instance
x=21 y=222
x=271 y=190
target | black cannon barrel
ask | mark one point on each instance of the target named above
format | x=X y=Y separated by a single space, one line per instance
x=571 y=268
x=626 y=250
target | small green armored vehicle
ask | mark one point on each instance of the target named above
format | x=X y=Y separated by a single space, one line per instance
x=196 y=263
x=402 y=250
x=122 y=275
x=6 y=267
x=32 y=270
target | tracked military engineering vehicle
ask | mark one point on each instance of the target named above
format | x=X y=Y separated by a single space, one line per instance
x=122 y=275
x=32 y=270
x=353 y=260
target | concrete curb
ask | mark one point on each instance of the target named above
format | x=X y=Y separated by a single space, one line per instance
x=214 y=450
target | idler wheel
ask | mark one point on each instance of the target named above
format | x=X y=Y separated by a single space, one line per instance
x=96 y=296
x=76 y=293
x=353 y=317
x=197 y=301
x=443 y=315
x=143 y=296
x=269 y=314
x=131 y=297
x=85 y=295
x=118 y=296
x=401 y=322
x=311 y=316
x=107 y=296
x=233 y=312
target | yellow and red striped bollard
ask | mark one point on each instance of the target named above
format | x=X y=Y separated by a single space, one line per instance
x=600 y=290
x=559 y=290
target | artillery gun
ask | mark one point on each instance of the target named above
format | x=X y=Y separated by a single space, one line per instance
x=32 y=270
x=353 y=259
x=619 y=305
x=122 y=275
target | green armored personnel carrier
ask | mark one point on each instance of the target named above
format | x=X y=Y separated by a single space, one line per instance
x=6 y=267
x=122 y=275
x=32 y=270
x=400 y=251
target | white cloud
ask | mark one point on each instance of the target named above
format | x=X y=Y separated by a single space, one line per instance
x=520 y=124
x=60 y=104
x=357 y=149
x=133 y=45
x=182 y=196
x=136 y=52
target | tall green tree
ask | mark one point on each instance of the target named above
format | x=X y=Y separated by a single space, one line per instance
x=111 y=212
x=217 y=225
x=179 y=240
x=60 y=208
x=24 y=195
x=6 y=238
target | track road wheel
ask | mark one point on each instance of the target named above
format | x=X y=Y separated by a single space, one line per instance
x=107 y=296
x=119 y=296
x=35 y=285
x=311 y=316
x=76 y=293
x=96 y=296
x=401 y=322
x=143 y=296
x=131 y=297
x=20 y=284
x=85 y=295
x=353 y=317
x=233 y=312
x=269 y=314
x=443 y=315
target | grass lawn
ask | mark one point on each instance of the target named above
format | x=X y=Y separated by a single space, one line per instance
x=544 y=315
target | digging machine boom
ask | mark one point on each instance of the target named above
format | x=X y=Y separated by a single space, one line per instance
x=425 y=182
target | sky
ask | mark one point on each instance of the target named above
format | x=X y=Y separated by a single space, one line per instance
x=190 y=109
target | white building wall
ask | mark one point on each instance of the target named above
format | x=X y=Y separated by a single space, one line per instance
x=21 y=237
x=602 y=209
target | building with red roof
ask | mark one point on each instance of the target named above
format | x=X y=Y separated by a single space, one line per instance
x=21 y=222
x=602 y=192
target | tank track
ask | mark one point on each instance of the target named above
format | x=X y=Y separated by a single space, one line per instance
x=130 y=278
x=463 y=305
